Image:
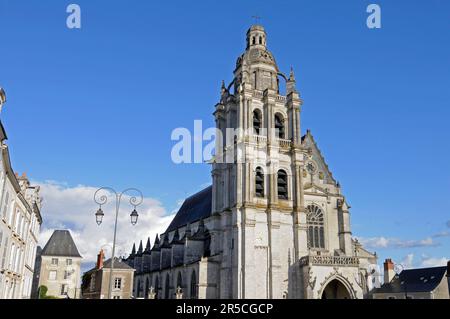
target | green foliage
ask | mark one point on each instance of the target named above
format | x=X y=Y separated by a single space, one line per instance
x=43 y=293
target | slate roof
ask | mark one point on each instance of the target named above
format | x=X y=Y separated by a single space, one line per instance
x=61 y=244
x=118 y=264
x=415 y=280
x=194 y=208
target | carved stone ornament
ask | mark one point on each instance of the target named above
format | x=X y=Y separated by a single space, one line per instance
x=151 y=293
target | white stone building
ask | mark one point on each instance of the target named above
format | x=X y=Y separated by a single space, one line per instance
x=20 y=222
x=274 y=223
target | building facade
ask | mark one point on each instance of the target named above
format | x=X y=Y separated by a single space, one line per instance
x=20 y=222
x=60 y=264
x=274 y=223
x=96 y=282
x=419 y=283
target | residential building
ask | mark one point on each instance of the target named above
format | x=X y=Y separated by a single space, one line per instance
x=418 y=283
x=60 y=264
x=20 y=223
x=96 y=281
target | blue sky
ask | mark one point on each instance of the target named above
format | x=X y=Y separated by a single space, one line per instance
x=97 y=106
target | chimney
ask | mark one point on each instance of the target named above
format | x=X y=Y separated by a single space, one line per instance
x=389 y=272
x=100 y=258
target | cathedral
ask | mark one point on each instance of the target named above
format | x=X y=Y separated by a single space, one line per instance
x=274 y=223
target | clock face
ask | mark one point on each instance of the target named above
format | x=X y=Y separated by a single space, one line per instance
x=311 y=167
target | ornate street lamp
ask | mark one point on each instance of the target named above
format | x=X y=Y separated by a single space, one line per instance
x=99 y=216
x=102 y=200
x=134 y=217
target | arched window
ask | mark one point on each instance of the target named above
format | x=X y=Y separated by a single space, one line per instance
x=315 y=221
x=259 y=182
x=138 y=288
x=256 y=122
x=179 y=280
x=167 y=287
x=279 y=126
x=253 y=40
x=194 y=286
x=260 y=40
x=147 y=287
x=157 y=287
x=282 y=185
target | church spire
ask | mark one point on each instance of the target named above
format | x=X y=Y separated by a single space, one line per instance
x=147 y=247
x=290 y=84
x=140 y=248
x=156 y=243
x=133 y=250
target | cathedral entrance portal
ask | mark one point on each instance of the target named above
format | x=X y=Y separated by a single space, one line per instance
x=335 y=290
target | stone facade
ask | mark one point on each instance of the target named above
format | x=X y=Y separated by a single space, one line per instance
x=20 y=222
x=60 y=264
x=275 y=223
x=95 y=283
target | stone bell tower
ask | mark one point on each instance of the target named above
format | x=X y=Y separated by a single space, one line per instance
x=257 y=180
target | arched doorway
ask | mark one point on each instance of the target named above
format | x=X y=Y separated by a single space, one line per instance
x=335 y=289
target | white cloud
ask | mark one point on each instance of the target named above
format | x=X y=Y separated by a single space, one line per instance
x=383 y=242
x=73 y=208
x=442 y=234
x=433 y=262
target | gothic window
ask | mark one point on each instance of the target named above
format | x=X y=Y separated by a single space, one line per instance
x=256 y=122
x=179 y=280
x=207 y=246
x=259 y=182
x=279 y=126
x=282 y=185
x=147 y=287
x=167 y=287
x=315 y=221
x=193 y=286
x=157 y=287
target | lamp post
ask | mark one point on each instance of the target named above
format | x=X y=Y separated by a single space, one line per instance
x=102 y=199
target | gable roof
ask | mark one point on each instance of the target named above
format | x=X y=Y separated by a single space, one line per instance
x=308 y=141
x=118 y=264
x=415 y=280
x=194 y=208
x=61 y=244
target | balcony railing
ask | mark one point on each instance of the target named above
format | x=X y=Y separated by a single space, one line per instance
x=329 y=261
x=259 y=139
x=284 y=143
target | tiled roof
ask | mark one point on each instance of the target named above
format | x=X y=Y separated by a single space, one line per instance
x=61 y=244
x=118 y=264
x=194 y=208
x=414 y=280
